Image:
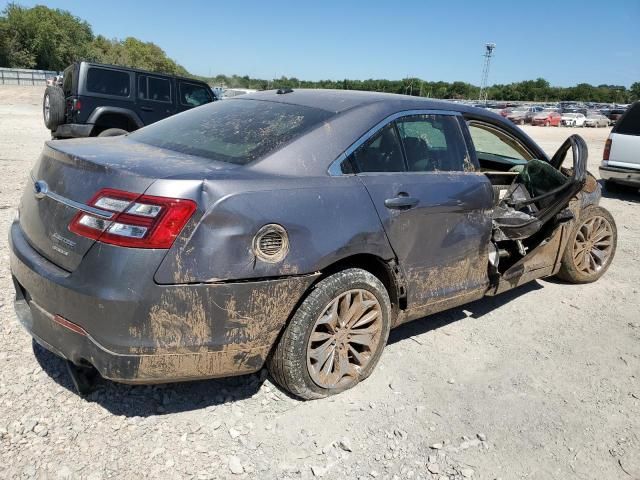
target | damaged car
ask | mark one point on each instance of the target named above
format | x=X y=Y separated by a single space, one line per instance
x=293 y=230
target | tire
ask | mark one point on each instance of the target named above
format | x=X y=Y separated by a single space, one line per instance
x=572 y=268
x=112 y=132
x=291 y=362
x=53 y=107
x=611 y=186
x=614 y=187
x=547 y=123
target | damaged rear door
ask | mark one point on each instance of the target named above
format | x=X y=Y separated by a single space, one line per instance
x=432 y=203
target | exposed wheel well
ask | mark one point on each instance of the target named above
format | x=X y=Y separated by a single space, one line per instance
x=384 y=271
x=114 y=120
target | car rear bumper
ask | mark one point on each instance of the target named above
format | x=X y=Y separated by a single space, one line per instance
x=73 y=130
x=625 y=176
x=154 y=334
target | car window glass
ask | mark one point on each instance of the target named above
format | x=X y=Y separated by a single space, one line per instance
x=630 y=123
x=67 y=82
x=491 y=141
x=381 y=153
x=235 y=131
x=193 y=95
x=433 y=143
x=154 y=89
x=108 y=82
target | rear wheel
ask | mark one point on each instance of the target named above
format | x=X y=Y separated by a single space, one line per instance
x=53 y=107
x=336 y=336
x=591 y=247
x=112 y=132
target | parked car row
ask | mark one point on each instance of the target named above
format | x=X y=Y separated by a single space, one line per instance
x=559 y=114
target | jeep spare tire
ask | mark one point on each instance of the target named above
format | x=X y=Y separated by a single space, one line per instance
x=112 y=132
x=53 y=107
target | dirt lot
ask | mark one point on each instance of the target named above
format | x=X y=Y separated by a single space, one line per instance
x=539 y=383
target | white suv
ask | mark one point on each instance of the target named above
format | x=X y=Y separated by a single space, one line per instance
x=621 y=159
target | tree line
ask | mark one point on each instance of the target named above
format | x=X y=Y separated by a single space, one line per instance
x=51 y=39
x=530 y=90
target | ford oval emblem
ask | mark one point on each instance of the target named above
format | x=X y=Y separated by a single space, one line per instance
x=40 y=188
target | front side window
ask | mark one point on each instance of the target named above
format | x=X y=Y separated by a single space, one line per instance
x=433 y=143
x=494 y=145
x=154 y=88
x=193 y=95
x=235 y=131
x=108 y=82
x=381 y=153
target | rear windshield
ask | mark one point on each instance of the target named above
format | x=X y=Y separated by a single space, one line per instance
x=235 y=131
x=629 y=124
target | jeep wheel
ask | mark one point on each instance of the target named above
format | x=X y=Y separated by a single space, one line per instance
x=53 y=107
x=591 y=247
x=336 y=336
x=112 y=132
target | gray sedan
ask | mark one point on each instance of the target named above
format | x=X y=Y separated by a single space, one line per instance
x=292 y=230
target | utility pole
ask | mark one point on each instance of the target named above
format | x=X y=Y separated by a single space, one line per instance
x=488 y=53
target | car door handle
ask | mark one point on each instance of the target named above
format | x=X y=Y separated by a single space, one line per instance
x=401 y=202
x=146 y=109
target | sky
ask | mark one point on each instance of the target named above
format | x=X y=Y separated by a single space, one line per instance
x=564 y=41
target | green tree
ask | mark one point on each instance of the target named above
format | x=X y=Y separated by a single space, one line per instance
x=41 y=37
x=132 y=52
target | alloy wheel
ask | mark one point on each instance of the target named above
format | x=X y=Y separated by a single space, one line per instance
x=593 y=245
x=344 y=339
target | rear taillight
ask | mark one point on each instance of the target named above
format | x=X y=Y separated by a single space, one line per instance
x=77 y=104
x=607 y=150
x=140 y=221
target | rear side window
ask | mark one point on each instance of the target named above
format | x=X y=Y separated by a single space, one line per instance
x=381 y=153
x=235 y=131
x=108 y=82
x=193 y=95
x=433 y=143
x=154 y=88
x=629 y=124
x=67 y=81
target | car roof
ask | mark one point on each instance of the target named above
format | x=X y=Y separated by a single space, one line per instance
x=354 y=113
x=338 y=101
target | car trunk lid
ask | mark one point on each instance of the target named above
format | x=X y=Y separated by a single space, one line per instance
x=69 y=173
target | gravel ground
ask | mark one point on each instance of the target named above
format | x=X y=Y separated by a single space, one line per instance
x=538 y=383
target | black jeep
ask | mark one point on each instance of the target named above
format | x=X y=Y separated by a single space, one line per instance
x=107 y=100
